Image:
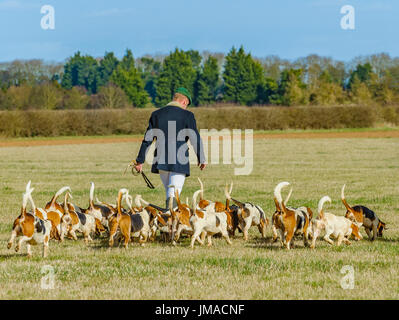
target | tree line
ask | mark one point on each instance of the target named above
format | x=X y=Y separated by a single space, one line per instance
x=85 y=82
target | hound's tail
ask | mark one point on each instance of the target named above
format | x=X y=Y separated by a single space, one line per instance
x=288 y=197
x=67 y=194
x=141 y=202
x=108 y=205
x=121 y=193
x=347 y=206
x=195 y=196
x=28 y=192
x=227 y=193
x=25 y=198
x=202 y=189
x=277 y=191
x=91 y=197
x=60 y=192
x=321 y=204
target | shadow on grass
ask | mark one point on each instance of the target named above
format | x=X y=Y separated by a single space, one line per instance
x=14 y=255
x=381 y=240
x=268 y=243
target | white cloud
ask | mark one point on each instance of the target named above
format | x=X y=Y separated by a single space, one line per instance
x=14 y=4
x=10 y=4
x=109 y=12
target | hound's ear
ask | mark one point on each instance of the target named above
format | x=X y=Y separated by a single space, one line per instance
x=238 y=203
x=160 y=219
x=245 y=213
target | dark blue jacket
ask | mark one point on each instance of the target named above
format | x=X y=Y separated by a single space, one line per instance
x=172 y=127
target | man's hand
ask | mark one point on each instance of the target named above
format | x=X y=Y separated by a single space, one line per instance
x=202 y=166
x=138 y=167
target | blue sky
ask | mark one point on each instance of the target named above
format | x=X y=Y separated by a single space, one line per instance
x=287 y=28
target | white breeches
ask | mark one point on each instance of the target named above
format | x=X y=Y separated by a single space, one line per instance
x=172 y=179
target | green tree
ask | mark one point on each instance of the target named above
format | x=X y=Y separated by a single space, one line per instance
x=81 y=71
x=107 y=66
x=207 y=83
x=195 y=58
x=128 y=78
x=363 y=73
x=177 y=71
x=242 y=77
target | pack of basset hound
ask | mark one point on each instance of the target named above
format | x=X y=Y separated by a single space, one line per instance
x=131 y=220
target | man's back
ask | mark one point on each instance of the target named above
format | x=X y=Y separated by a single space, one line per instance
x=172 y=126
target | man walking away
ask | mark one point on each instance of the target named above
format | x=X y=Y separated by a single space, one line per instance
x=172 y=126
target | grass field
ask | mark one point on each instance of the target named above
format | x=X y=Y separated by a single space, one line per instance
x=256 y=269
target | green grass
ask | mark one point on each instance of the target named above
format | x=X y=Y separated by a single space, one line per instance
x=256 y=269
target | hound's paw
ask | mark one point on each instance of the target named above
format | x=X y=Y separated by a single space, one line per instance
x=9 y=245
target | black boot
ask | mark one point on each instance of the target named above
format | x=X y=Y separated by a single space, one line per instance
x=174 y=203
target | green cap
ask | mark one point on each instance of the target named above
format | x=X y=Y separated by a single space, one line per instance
x=184 y=92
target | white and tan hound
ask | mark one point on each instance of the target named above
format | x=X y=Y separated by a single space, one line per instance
x=339 y=227
x=52 y=213
x=249 y=215
x=210 y=222
x=32 y=229
x=75 y=221
x=291 y=221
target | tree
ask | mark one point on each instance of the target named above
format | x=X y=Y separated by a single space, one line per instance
x=107 y=66
x=242 y=77
x=46 y=96
x=149 y=69
x=177 y=71
x=128 y=78
x=18 y=97
x=326 y=91
x=81 y=71
x=207 y=83
x=291 y=88
x=110 y=97
x=362 y=73
x=360 y=93
x=195 y=58
x=75 y=98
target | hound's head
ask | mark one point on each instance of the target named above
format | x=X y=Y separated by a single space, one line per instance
x=356 y=231
x=380 y=228
x=246 y=209
x=355 y=216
